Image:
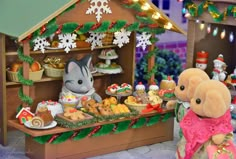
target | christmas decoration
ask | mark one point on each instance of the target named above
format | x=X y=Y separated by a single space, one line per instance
x=143 y=40
x=67 y=41
x=215 y=31
x=231 y=37
x=209 y=28
x=98 y=7
x=40 y=44
x=95 y=39
x=101 y=130
x=222 y=34
x=202 y=60
x=121 y=37
x=197 y=10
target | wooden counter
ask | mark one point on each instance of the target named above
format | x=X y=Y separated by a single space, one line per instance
x=93 y=146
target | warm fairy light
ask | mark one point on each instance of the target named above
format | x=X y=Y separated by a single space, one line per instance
x=222 y=34
x=202 y=26
x=145 y=6
x=156 y=15
x=168 y=26
x=135 y=0
x=187 y=15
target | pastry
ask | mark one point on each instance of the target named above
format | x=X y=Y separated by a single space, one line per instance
x=53 y=106
x=69 y=100
x=45 y=115
x=140 y=89
x=37 y=122
x=167 y=87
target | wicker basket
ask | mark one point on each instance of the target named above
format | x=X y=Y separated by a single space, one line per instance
x=108 y=39
x=138 y=107
x=35 y=76
x=53 y=72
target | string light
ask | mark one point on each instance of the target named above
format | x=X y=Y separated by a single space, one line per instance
x=222 y=34
x=168 y=26
x=135 y=0
x=156 y=15
x=202 y=26
x=231 y=37
x=187 y=15
x=215 y=31
x=145 y=6
x=209 y=28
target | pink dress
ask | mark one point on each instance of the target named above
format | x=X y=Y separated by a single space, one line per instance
x=198 y=130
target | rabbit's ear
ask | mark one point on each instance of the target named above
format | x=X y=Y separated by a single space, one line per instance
x=214 y=105
x=193 y=83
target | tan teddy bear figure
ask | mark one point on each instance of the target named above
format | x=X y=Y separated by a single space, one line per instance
x=207 y=123
x=187 y=83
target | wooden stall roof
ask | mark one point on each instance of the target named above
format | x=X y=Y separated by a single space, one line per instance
x=21 y=18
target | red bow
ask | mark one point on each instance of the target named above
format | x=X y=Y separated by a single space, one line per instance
x=150 y=108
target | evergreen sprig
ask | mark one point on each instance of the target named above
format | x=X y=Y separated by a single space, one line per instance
x=24 y=98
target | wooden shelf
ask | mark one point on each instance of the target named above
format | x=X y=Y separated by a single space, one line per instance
x=56 y=130
x=48 y=79
x=14 y=53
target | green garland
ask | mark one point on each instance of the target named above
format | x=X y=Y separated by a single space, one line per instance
x=153 y=71
x=104 y=130
x=101 y=130
x=63 y=137
x=140 y=123
x=207 y=5
x=122 y=126
x=153 y=120
x=24 y=98
x=83 y=133
x=23 y=57
x=22 y=80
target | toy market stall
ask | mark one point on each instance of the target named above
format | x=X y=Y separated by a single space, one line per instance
x=67 y=76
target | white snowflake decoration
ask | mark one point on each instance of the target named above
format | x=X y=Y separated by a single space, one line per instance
x=95 y=39
x=98 y=7
x=40 y=44
x=67 y=41
x=143 y=40
x=121 y=37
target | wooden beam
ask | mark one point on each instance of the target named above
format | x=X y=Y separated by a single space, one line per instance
x=151 y=61
x=26 y=68
x=3 y=107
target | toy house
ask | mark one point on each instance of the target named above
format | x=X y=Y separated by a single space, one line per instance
x=24 y=115
x=73 y=16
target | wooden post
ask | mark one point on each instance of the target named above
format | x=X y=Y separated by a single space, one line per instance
x=151 y=61
x=3 y=108
x=26 y=68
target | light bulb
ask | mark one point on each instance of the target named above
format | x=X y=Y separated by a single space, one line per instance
x=156 y=15
x=215 y=31
x=202 y=26
x=145 y=6
x=231 y=37
x=222 y=34
x=209 y=28
x=168 y=26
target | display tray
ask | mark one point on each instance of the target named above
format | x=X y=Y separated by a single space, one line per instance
x=68 y=123
x=29 y=125
x=132 y=113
